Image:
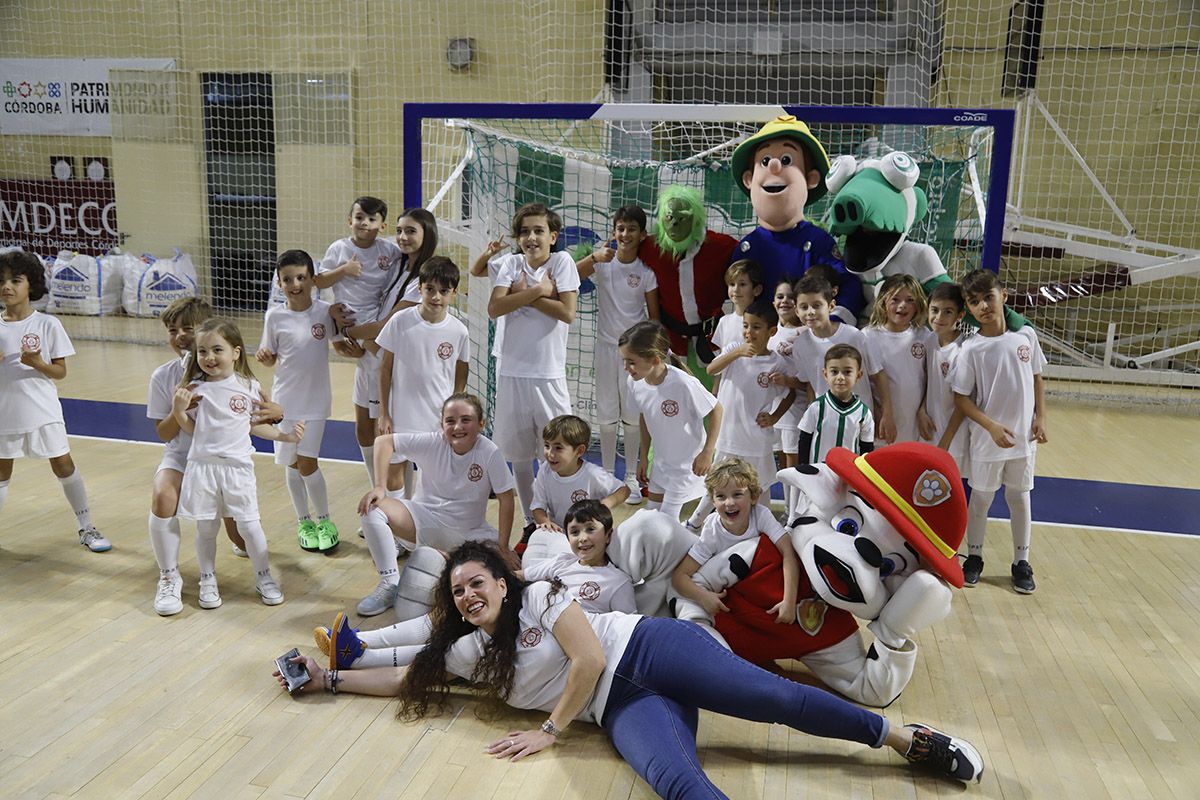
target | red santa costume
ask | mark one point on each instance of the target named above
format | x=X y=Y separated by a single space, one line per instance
x=691 y=289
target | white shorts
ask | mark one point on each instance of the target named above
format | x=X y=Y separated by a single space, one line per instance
x=213 y=491
x=310 y=445
x=366 y=383
x=675 y=484
x=612 y=390
x=48 y=441
x=1015 y=473
x=523 y=407
x=173 y=460
x=787 y=440
x=441 y=532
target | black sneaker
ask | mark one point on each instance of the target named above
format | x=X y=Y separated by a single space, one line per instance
x=946 y=754
x=1022 y=578
x=972 y=569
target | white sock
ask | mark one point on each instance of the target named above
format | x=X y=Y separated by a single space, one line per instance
x=387 y=656
x=410 y=632
x=256 y=545
x=977 y=511
x=382 y=545
x=318 y=494
x=703 y=509
x=296 y=491
x=3 y=493
x=523 y=477
x=164 y=538
x=633 y=447
x=672 y=509
x=206 y=545
x=368 y=454
x=73 y=488
x=1021 y=514
x=608 y=446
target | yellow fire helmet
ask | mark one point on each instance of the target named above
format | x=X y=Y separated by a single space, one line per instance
x=782 y=127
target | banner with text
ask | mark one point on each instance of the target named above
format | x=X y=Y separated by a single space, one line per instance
x=68 y=97
x=44 y=217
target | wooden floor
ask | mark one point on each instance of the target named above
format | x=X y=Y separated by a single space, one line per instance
x=1087 y=689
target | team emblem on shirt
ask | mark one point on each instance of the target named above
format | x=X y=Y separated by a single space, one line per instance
x=634 y=281
x=318 y=331
x=1024 y=353
x=530 y=637
x=670 y=408
x=945 y=368
x=31 y=341
x=810 y=615
x=474 y=473
x=764 y=379
x=784 y=348
x=917 y=350
x=445 y=350
x=239 y=403
x=579 y=495
x=589 y=591
x=931 y=489
x=384 y=262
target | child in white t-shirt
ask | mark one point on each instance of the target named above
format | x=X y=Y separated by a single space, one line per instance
x=744 y=281
x=361 y=268
x=565 y=478
x=733 y=485
x=946 y=311
x=787 y=429
x=899 y=342
x=425 y=353
x=673 y=407
x=295 y=340
x=536 y=292
x=219 y=478
x=417 y=240
x=753 y=402
x=628 y=293
x=837 y=418
x=460 y=468
x=33 y=355
x=998 y=386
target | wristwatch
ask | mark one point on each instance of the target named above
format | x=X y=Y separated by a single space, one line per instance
x=549 y=727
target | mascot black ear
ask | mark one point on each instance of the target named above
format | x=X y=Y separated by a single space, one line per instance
x=798 y=521
x=738 y=566
x=806 y=469
x=674 y=601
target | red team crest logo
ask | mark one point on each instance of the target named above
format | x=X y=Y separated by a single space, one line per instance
x=530 y=637
x=383 y=262
x=784 y=348
x=445 y=350
x=945 y=368
x=1024 y=353
x=670 y=408
x=31 y=341
x=239 y=403
x=474 y=473
x=579 y=495
x=589 y=591
x=917 y=350
x=318 y=331
x=764 y=379
x=634 y=281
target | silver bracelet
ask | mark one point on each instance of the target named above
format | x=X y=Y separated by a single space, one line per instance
x=549 y=727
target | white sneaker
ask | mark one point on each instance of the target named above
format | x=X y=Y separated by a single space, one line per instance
x=381 y=600
x=635 y=490
x=239 y=552
x=93 y=540
x=360 y=533
x=167 y=600
x=269 y=590
x=210 y=597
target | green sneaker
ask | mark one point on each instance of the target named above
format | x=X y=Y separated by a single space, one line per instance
x=309 y=535
x=327 y=535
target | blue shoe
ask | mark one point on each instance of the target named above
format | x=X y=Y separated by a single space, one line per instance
x=345 y=646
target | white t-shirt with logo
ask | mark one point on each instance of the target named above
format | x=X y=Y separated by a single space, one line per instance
x=745 y=391
x=781 y=343
x=715 y=537
x=222 y=433
x=808 y=359
x=728 y=332
x=598 y=589
x=541 y=666
x=622 y=297
x=555 y=494
x=998 y=372
x=674 y=412
x=425 y=357
x=300 y=341
x=902 y=356
x=363 y=295
x=939 y=397
x=160 y=402
x=535 y=344
x=456 y=487
x=29 y=399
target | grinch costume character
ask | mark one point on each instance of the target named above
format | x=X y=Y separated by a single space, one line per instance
x=689 y=262
x=783 y=168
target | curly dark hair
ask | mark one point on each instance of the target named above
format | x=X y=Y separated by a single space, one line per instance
x=425 y=688
x=18 y=262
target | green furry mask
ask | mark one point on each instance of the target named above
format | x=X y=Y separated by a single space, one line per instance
x=679 y=222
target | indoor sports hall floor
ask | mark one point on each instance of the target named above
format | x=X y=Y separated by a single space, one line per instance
x=1086 y=689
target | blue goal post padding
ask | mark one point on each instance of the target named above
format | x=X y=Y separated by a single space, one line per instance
x=1000 y=120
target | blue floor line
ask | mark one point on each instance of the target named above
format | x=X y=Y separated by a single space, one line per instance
x=1066 y=501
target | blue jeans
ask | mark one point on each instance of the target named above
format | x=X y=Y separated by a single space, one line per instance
x=672 y=668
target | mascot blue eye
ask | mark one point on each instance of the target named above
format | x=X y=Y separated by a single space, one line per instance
x=847 y=521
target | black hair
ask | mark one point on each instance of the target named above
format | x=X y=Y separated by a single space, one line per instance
x=18 y=262
x=441 y=272
x=295 y=258
x=764 y=309
x=370 y=205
